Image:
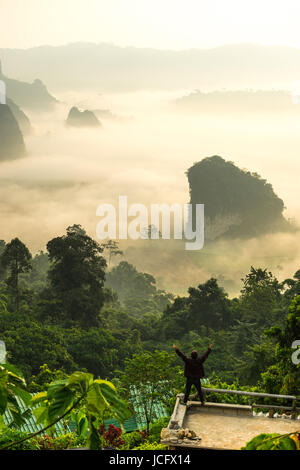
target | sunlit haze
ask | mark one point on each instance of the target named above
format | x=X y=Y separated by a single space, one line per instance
x=167 y=24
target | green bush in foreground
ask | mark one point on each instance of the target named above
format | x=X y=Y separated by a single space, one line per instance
x=156 y=427
x=139 y=439
x=133 y=439
x=43 y=442
x=62 y=442
x=150 y=446
x=7 y=436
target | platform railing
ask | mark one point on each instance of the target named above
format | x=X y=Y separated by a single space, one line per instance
x=293 y=408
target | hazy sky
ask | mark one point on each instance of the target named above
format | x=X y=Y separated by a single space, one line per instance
x=171 y=24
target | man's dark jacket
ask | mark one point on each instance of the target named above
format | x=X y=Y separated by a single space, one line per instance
x=193 y=367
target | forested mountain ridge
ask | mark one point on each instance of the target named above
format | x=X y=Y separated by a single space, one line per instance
x=106 y=67
x=30 y=95
x=241 y=102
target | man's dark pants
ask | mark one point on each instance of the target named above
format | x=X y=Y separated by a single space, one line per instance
x=189 y=382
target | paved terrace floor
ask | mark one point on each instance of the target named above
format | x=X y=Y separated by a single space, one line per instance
x=226 y=427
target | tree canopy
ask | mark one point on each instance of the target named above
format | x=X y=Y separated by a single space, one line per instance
x=77 y=274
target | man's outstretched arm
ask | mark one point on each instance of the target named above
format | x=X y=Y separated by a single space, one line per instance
x=205 y=355
x=180 y=354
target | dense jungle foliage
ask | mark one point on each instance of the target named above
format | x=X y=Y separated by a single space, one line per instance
x=67 y=309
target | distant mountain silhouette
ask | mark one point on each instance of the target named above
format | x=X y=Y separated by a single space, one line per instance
x=238 y=101
x=11 y=140
x=29 y=95
x=107 y=67
x=77 y=118
x=237 y=203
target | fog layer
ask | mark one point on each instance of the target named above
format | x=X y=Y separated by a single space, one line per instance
x=144 y=155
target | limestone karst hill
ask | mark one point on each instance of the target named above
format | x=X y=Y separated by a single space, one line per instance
x=77 y=118
x=237 y=203
x=21 y=117
x=12 y=143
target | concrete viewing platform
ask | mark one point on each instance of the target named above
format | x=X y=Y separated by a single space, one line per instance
x=221 y=426
x=230 y=428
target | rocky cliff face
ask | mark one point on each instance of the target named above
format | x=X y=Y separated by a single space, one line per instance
x=11 y=139
x=77 y=118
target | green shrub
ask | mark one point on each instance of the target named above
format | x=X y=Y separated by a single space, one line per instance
x=156 y=427
x=133 y=439
x=8 y=436
x=150 y=446
x=65 y=441
x=136 y=439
